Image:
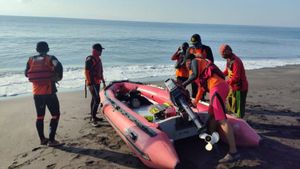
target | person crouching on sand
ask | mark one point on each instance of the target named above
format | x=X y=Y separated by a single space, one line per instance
x=93 y=78
x=182 y=73
x=210 y=78
x=44 y=71
x=237 y=80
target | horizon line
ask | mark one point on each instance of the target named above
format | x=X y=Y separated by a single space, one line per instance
x=163 y=22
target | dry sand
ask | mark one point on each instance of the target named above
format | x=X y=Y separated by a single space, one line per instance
x=273 y=109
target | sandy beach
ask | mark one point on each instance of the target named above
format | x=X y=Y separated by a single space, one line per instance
x=273 y=110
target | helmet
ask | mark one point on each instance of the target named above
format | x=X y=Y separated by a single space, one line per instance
x=195 y=39
x=42 y=47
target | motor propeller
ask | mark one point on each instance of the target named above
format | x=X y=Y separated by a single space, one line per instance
x=180 y=98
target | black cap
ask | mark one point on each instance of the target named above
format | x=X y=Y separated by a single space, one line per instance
x=195 y=39
x=185 y=45
x=42 y=47
x=98 y=47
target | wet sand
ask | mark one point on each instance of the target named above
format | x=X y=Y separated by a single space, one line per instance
x=273 y=110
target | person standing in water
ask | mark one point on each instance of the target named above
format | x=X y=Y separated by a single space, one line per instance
x=93 y=78
x=237 y=81
x=44 y=71
x=182 y=73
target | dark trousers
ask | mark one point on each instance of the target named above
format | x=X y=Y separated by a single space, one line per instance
x=243 y=103
x=194 y=89
x=181 y=79
x=94 y=90
x=51 y=101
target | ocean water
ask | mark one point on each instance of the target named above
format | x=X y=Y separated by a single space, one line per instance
x=133 y=50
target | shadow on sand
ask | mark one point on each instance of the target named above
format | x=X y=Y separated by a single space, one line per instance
x=112 y=156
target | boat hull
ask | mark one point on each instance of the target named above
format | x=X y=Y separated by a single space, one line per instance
x=149 y=142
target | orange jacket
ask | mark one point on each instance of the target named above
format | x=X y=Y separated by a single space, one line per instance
x=181 y=69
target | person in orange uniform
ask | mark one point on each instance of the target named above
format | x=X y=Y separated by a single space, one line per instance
x=94 y=77
x=209 y=78
x=202 y=51
x=44 y=71
x=182 y=73
x=237 y=80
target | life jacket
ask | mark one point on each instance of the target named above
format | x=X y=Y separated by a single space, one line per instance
x=96 y=67
x=198 y=52
x=206 y=73
x=41 y=69
x=181 y=69
x=229 y=68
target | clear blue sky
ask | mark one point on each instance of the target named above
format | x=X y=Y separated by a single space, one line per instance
x=238 y=12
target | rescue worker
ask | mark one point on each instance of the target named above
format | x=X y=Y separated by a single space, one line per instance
x=44 y=71
x=199 y=50
x=237 y=81
x=182 y=73
x=210 y=78
x=93 y=78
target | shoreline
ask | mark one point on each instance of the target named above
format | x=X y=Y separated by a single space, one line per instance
x=143 y=80
x=272 y=109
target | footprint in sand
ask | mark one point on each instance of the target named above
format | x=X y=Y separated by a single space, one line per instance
x=74 y=144
x=23 y=155
x=104 y=140
x=263 y=117
x=51 y=166
x=35 y=149
x=76 y=156
x=87 y=118
x=114 y=147
x=89 y=162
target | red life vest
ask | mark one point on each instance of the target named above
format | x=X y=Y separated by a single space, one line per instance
x=198 y=52
x=41 y=69
x=241 y=83
x=96 y=68
x=208 y=71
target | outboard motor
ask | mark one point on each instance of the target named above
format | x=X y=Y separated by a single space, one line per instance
x=181 y=98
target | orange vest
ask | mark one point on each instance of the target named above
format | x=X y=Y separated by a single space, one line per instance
x=40 y=73
x=182 y=71
x=41 y=70
x=198 y=52
x=208 y=74
x=97 y=70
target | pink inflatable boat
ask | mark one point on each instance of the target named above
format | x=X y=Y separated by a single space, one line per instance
x=148 y=120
